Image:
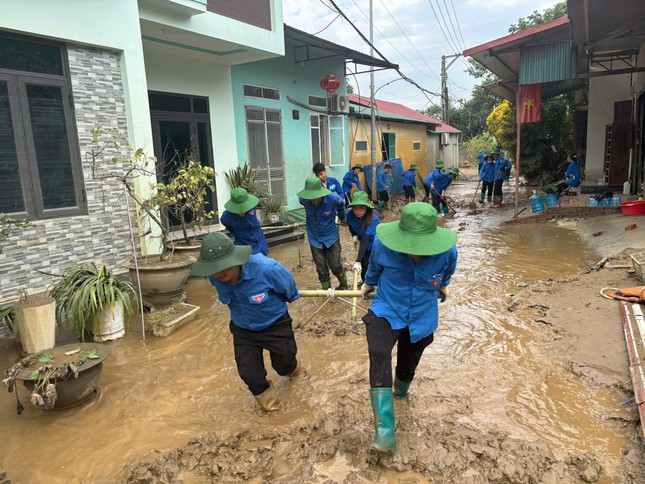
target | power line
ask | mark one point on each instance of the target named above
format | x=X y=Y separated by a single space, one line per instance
x=458 y=26
x=328 y=25
x=455 y=51
x=455 y=38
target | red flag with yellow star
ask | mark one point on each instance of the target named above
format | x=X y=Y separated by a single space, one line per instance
x=530 y=107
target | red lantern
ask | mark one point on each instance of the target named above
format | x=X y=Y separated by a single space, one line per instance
x=330 y=83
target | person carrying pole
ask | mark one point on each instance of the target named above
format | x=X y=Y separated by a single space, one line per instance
x=409 y=181
x=502 y=165
x=412 y=263
x=256 y=290
x=439 y=186
x=240 y=219
x=383 y=185
x=362 y=221
x=487 y=177
x=321 y=206
x=350 y=179
x=439 y=168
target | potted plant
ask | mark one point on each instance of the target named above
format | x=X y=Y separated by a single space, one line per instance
x=247 y=178
x=273 y=207
x=94 y=300
x=112 y=159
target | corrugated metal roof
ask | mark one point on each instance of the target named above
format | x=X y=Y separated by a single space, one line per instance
x=547 y=63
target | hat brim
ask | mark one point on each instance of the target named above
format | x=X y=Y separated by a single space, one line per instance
x=313 y=194
x=359 y=167
x=415 y=244
x=239 y=256
x=250 y=203
x=363 y=204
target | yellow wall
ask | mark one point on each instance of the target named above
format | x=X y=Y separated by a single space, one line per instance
x=406 y=135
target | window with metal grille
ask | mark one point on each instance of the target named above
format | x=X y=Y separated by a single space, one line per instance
x=318 y=101
x=361 y=146
x=416 y=146
x=261 y=92
x=40 y=167
x=327 y=139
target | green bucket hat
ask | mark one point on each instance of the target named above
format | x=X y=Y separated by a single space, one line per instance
x=313 y=189
x=482 y=151
x=489 y=155
x=439 y=164
x=454 y=171
x=241 y=201
x=358 y=165
x=413 y=166
x=496 y=151
x=361 y=198
x=417 y=232
x=218 y=253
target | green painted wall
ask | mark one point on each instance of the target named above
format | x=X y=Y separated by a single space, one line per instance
x=297 y=81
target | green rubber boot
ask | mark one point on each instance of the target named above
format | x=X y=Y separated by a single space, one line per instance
x=490 y=198
x=325 y=285
x=400 y=388
x=446 y=210
x=342 y=282
x=383 y=408
x=481 y=199
x=425 y=199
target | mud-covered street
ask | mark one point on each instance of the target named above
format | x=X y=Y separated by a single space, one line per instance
x=524 y=383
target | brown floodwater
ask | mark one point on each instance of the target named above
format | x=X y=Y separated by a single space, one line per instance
x=485 y=369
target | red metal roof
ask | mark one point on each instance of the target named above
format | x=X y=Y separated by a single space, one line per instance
x=517 y=35
x=401 y=110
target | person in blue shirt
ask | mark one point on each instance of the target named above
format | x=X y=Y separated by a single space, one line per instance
x=502 y=165
x=481 y=157
x=439 y=186
x=487 y=177
x=330 y=183
x=439 y=168
x=256 y=290
x=240 y=219
x=383 y=185
x=409 y=182
x=362 y=221
x=321 y=206
x=412 y=263
x=572 y=175
x=350 y=179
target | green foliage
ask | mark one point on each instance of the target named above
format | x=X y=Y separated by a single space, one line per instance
x=501 y=124
x=271 y=204
x=185 y=194
x=84 y=291
x=536 y=18
x=245 y=177
x=470 y=149
x=470 y=116
x=7 y=225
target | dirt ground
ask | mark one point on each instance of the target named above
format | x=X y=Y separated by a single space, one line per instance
x=491 y=428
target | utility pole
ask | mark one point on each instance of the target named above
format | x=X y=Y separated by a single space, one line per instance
x=372 y=111
x=445 y=116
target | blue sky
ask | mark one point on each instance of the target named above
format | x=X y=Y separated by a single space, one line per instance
x=471 y=23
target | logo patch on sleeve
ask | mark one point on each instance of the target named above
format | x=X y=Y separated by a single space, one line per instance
x=258 y=298
x=436 y=279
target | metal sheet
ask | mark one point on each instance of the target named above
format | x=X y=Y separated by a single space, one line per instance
x=547 y=63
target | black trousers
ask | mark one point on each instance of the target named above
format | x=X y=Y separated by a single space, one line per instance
x=487 y=186
x=561 y=187
x=384 y=196
x=438 y=202
x=277 y=339
x=409 y=193
x=427 y=189
x=328 y=258
x=380 y=341
x=497 y=187
x=365 y=263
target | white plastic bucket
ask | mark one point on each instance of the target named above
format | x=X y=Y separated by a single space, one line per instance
x=36 y=318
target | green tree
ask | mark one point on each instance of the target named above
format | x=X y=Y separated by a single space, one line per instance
x=536 y=18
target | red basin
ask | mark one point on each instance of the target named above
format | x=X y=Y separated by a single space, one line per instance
x=633 y=208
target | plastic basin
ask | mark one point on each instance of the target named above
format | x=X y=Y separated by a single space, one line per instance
x=633 y=208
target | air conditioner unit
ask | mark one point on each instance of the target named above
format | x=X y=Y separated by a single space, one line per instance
x=445 y=139
x=339 y=103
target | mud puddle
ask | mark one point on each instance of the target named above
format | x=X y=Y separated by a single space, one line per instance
x=488 y=403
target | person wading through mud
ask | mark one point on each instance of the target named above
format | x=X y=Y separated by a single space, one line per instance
x=350 y=179
x=439 y=168
x=502 y=165
x=256 y=290
x=321 y=206
x=240 y=219
x=487 y=177
x=412 y=262
x=409 y=182
x=383 y=185
x=362 y=221
x=440 y=184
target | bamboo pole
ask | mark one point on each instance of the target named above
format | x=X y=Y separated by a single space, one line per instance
x=327 y=293
x=356 y=276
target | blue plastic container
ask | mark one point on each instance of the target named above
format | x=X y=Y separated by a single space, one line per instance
x=537 y=203
x=592 y=202
x=551 y=200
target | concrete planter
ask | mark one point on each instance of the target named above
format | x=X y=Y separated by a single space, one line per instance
x=36 y=318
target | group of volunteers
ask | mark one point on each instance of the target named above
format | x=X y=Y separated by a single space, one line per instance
x=406 y=264
x=493 y=170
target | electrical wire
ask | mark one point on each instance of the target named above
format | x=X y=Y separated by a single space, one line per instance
x=454 y=31
x=328 y=25
x=458 y=26
x=455 y=51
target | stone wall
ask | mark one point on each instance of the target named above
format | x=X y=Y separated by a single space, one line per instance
x=101 y=236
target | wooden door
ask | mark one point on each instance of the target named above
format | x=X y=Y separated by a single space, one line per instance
x=621 y=142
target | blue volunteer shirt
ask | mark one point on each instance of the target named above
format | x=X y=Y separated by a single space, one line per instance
x=442 y=182
x=261 y=295
x=382 y=181
x=501 y=165
x=487 y=173
x=572 y=175
x=350 y=179
x=428 y=180
x=409 y=178
x=481 y=158
x=357 y=226
x=334 y=185
x=321 y=220
x=407 y=291
x=246 y=230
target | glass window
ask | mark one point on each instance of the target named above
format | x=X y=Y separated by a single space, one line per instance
x=361 y=146
x=261 y=92
x=22 y=55
x=164 y=102
x=11 y=196
x=416 y=146
x=318 y=101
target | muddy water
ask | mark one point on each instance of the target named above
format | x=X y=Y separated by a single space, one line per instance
x=484 y=371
